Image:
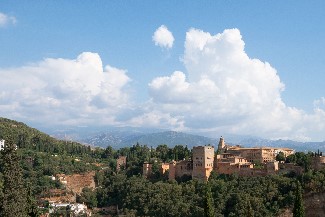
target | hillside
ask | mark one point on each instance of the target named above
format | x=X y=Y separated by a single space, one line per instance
x=20 y=132
x=32 y=139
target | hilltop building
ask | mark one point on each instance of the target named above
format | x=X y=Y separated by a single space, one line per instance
x=180 y=168
x=164 y=167
x=227 y=163
x=260 y=154
x=203 y=157
x=146 y=169
x=221 y=146
x=227 y=160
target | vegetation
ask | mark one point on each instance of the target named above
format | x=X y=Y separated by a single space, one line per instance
x=208 y=203
x=39 y=156
x=13 y=197
x=298 y=208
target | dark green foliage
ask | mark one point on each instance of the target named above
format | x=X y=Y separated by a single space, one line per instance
x=32 y=208
x=13 y=201
x=88 y=196
x=301 y=159
x=41 y=156
x=227 y=195
x=32 y=139
x=163 y=153
x=280 y=157
x=298 y=208
x=208 y=203
x=156 y=173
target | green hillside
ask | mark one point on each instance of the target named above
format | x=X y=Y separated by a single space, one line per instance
x=26 y=137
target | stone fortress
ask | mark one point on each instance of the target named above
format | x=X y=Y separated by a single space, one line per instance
x=227 y=160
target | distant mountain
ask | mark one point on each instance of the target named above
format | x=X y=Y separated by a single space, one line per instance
x=170 y=138
x=298 y=146
x=128 y=136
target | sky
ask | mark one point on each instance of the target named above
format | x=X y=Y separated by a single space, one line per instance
x=204 y=67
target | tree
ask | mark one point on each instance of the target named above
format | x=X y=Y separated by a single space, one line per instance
x=162 y=151
x=208 y=203
x=280 y=156
x=108 y=153
x=13 y=199
x=32 y=208
x=88 y=196
x=298 y=208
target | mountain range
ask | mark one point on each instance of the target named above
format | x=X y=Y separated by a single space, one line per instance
x=128 y=136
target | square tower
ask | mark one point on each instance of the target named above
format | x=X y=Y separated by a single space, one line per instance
x=203 y=157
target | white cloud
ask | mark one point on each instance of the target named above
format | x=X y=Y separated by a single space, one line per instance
x=6 y=19
x=157 y=119
x=225 y=91
x=222 y=91
x=163 y=37
x=67 y=91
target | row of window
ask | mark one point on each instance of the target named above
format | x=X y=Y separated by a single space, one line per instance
x=208 y=165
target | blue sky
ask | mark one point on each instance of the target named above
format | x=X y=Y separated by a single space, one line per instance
x=279 y=96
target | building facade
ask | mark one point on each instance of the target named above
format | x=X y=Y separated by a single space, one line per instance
x=260 y=154
x=227 y=160
x=203 y=159
x=180 y=168
x=146 y=169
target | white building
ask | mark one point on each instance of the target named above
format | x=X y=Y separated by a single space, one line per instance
x=2 y=144
x=76 y=209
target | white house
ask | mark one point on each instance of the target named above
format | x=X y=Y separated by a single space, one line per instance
x=2 y=144
x=75 y=208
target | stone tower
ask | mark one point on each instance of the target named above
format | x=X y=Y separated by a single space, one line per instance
x=146 y=169
x=221 y=145
x=203 y=157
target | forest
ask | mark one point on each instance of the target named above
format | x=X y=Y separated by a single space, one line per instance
x=25 y=173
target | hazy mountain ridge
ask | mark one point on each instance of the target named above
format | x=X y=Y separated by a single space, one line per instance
x=128 y=136
x=170 y=138
x=298 y=146
x=118 y=139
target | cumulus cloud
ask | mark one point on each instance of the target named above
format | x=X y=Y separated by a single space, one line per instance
x=66 y=91
x=6 y=19
x=163 y=37
x=157 y=119
x=226 y=91
x=222 y=91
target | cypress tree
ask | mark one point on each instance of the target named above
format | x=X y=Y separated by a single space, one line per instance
x=298 y=207
x=32 y=208
x=14 y=195
x=208 y=203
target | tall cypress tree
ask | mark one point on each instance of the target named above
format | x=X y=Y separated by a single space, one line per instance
x=32 y=208
x=208 y=203
x=298 y=207
x=14 y=194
